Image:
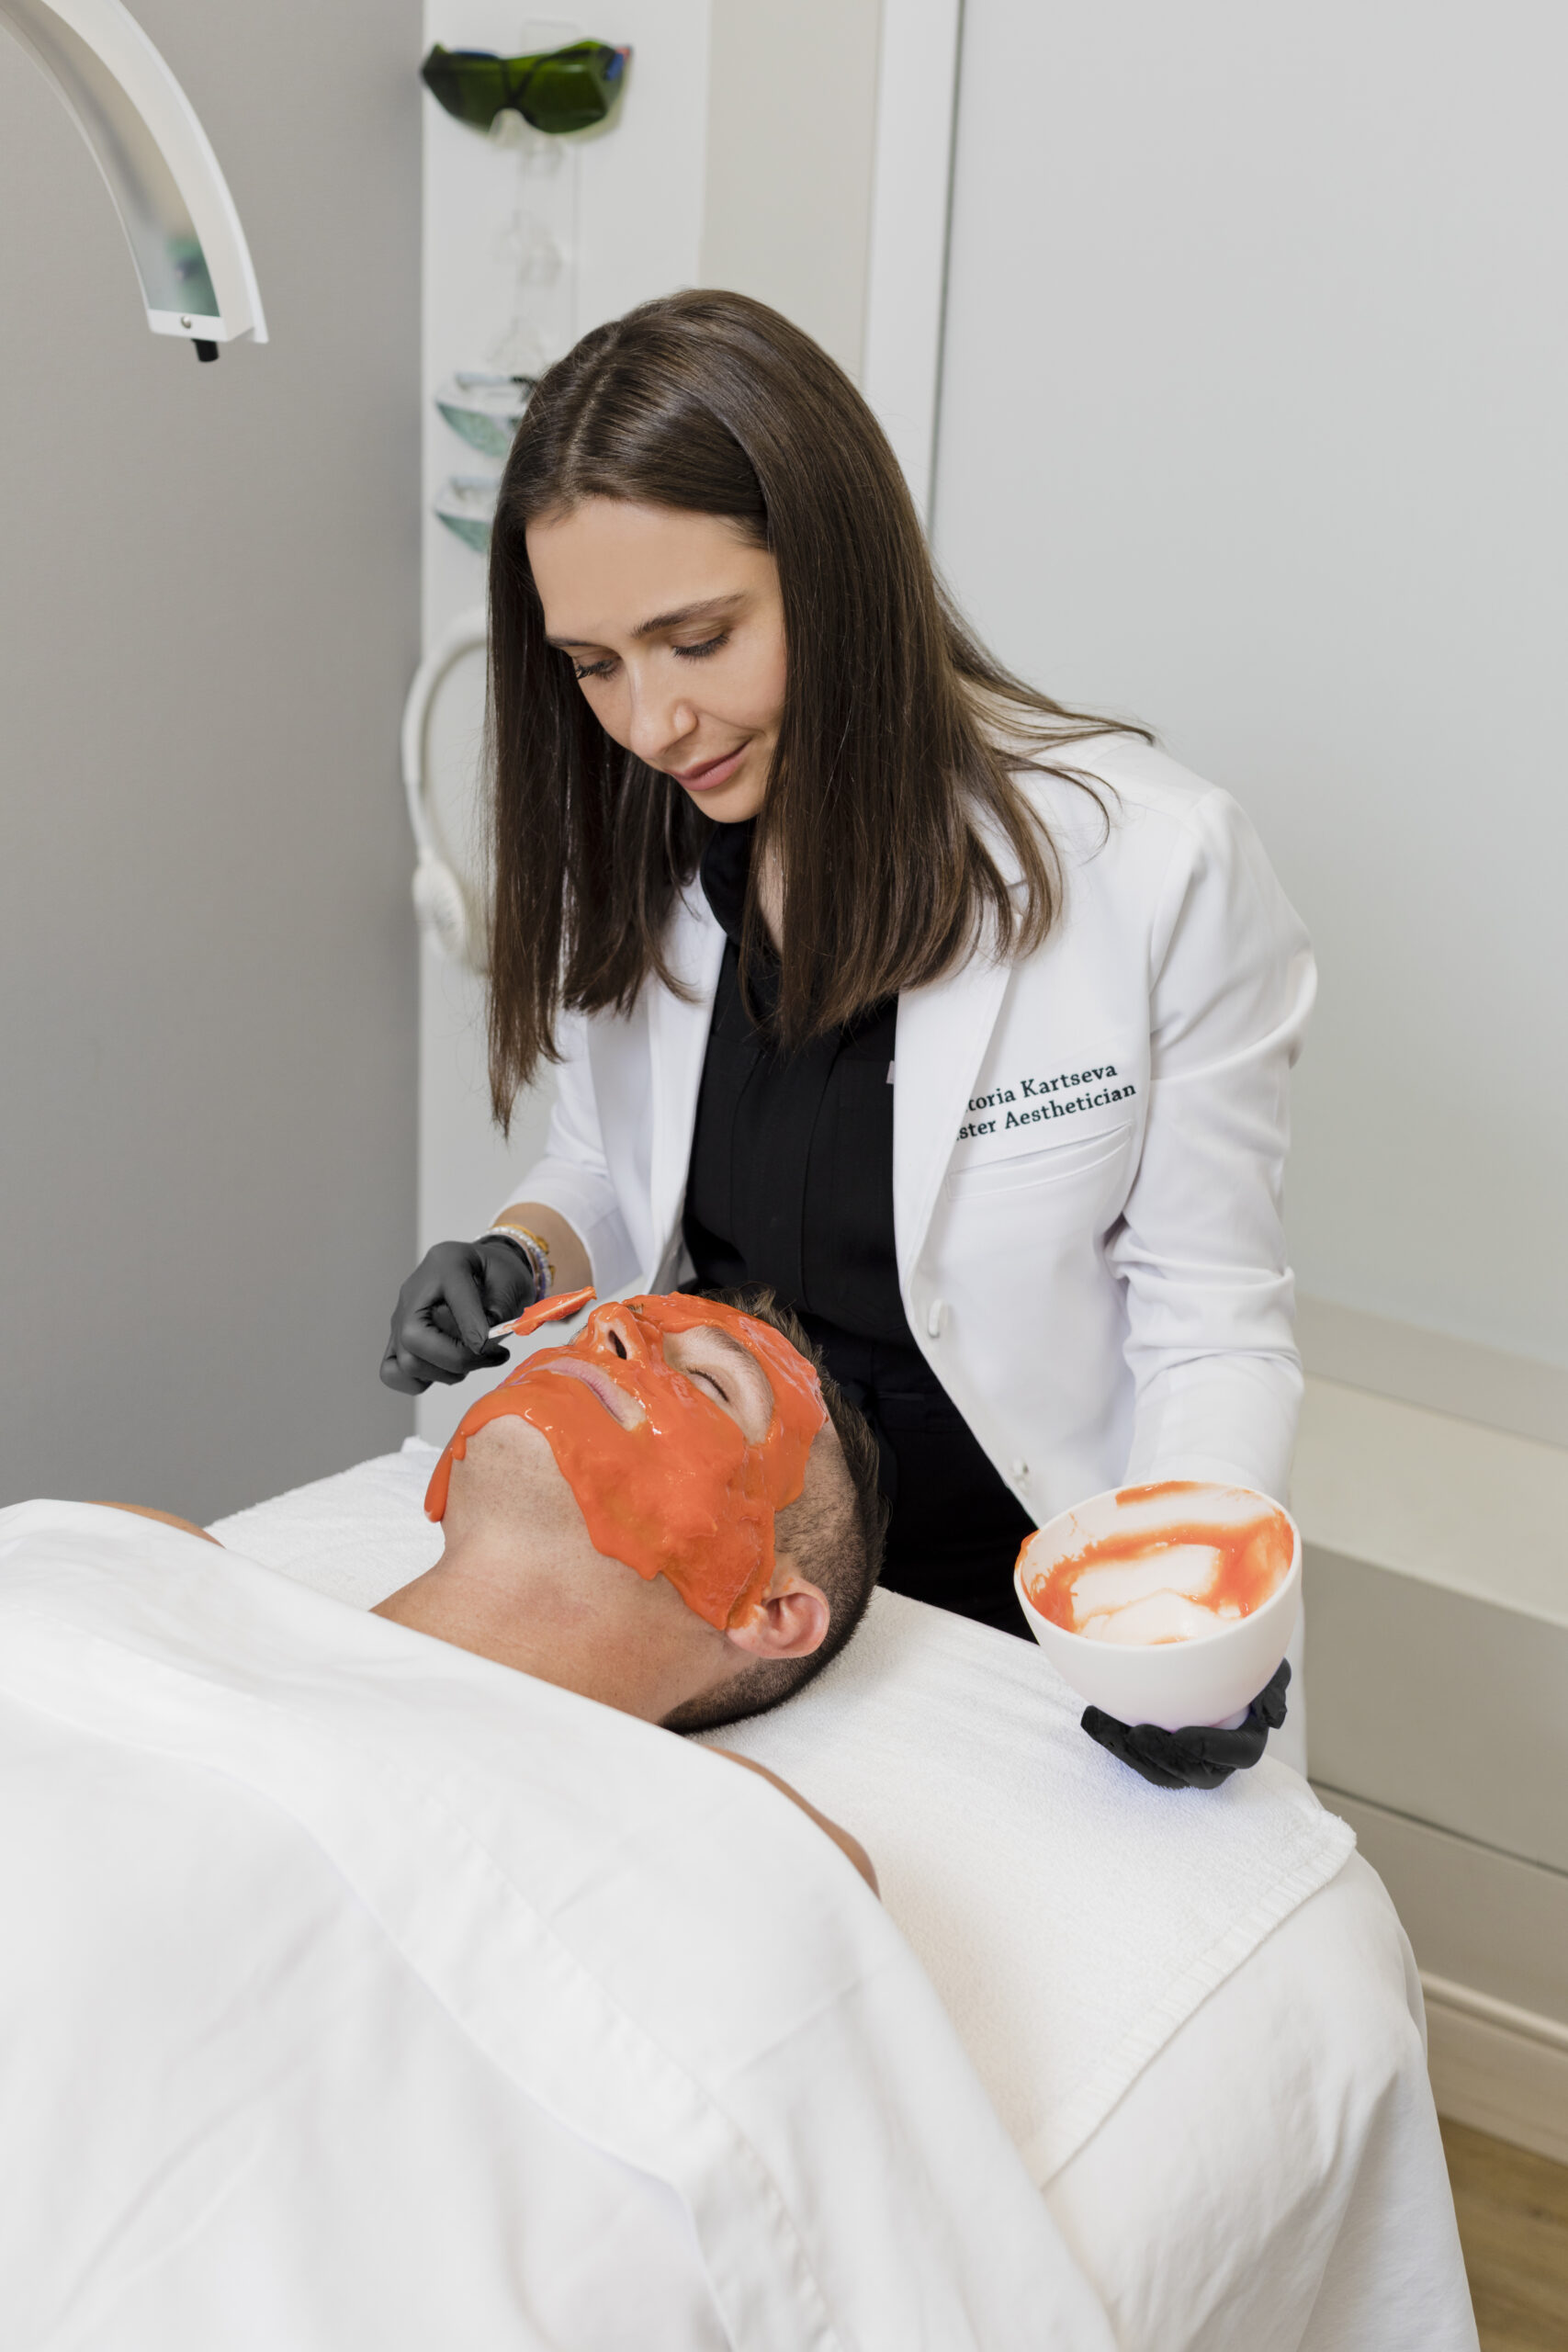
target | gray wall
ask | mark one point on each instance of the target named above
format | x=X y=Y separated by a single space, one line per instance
x=209 y=582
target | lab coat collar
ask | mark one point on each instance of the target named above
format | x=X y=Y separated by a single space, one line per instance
x=678 y=1036
x=942 y=1035
x=944 y=1030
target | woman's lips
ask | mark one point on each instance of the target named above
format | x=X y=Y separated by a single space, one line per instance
x=710 y=772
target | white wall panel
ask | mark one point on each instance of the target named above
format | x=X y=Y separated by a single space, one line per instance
x=623 y=204
x=912 y=182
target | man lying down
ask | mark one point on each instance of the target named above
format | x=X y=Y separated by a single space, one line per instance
x=396 y=1978
x=665 y=1439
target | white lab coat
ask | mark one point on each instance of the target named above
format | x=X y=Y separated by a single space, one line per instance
x=1088 y=1147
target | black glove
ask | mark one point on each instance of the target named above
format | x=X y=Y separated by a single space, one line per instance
x=1198 y=1757
x=448 y=1307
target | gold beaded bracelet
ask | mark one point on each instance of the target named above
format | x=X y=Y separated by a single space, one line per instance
x=536 y=1251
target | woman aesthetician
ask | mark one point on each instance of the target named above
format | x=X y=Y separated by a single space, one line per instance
x=961 y=1021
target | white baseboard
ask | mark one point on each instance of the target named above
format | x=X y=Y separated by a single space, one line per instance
x=1497 y=2068
x=1432 y=1368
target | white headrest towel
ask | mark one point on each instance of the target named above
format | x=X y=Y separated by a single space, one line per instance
x=1071 y=1917
x=648 y=1944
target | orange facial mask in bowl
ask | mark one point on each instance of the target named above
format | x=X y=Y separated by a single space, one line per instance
x=1169 y=1604
x=1169 y=1576
x=1178 y=1568
x=667 y=1482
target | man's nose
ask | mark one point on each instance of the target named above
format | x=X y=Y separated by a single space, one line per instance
x=617 y=1334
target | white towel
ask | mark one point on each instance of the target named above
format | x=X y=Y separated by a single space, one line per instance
x=355 y=1536
x=1071 y=1917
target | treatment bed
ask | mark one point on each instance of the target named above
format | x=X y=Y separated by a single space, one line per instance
x=1197 y=2015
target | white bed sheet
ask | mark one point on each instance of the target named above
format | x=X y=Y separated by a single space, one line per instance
x=1271 y=2178
x=1274 y=2180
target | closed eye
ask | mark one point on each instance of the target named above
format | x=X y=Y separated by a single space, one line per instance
x=716 y=1385
x=581 y=670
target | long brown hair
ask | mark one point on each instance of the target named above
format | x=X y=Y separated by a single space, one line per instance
x=890 y=769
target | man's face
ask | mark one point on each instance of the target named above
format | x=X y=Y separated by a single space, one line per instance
x=682 y=1428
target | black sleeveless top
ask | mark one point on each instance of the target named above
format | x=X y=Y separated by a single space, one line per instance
x=790 y=1185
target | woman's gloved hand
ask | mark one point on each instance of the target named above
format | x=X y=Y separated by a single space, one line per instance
x=447 y=1308
x=1198 y=1757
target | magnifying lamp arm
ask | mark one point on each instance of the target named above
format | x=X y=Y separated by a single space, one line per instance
x=157 y=162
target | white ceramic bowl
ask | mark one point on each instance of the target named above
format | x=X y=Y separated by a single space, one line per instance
x=1208 y=1679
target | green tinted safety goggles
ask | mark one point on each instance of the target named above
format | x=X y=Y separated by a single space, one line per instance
x=564 y=89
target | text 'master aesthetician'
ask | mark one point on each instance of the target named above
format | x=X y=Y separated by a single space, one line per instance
x=961 y=1021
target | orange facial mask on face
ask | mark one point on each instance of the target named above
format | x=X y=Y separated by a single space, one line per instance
x=684 y=1493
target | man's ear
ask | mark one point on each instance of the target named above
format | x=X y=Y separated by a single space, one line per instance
x=791 y=1622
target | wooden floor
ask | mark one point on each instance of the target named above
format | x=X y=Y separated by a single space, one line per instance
x=1512 y=2224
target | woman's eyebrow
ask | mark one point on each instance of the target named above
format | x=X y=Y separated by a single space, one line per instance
x=705 y=609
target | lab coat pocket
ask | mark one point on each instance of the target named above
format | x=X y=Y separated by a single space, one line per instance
x=1032 y=1171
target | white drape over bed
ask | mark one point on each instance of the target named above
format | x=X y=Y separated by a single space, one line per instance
x=361 y=1991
